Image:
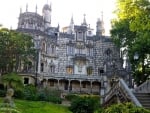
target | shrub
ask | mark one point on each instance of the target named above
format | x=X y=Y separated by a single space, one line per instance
x=30 y=92
x=125 y=108
x=71 y=97
x=84 y=105
x=19 y=93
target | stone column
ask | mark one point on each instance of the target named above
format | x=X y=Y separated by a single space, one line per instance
x=102 y=91
x=69 y=86
x=91 y=87
x=80 y=86
x=58 y=84
x=39 y=61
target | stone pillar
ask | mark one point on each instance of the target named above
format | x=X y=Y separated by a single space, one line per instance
x=102 y=91
x=58 y=84
x=39 y=62
x=91 y=87
x=69 y=86
x=80 y=86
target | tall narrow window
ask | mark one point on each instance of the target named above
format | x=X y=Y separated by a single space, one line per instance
x=80 y=36
x=89 y=71
x=69 y=70
x=70 y=50
x=42 y=67
x=90 y=51
x=52 y=69
x=53 y=49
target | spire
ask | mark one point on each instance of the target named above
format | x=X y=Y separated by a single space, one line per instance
x=100 y=30
x=58 y=27
x=50 y=6
x=26 y=7
x=20 y=10
x=102 y=15
x=72 y=21
x=36 y=8
x=71 y=26
x=84 y=20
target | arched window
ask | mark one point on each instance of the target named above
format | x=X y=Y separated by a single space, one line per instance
x=69 y=70
x=100 y=71
x=89 y=70
x=42 y=67
x=43 y=47
x=108 y=52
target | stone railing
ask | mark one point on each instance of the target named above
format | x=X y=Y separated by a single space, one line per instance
x=70 y=76
x=129 y=93
x=121 y=88
x=143 y=88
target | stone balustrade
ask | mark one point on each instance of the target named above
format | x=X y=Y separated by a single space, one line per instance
x=143 y=88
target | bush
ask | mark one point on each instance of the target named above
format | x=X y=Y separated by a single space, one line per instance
x=19 y=94
x=30 y=92
x=125 y=108
x=71 y=97
x=84 y=105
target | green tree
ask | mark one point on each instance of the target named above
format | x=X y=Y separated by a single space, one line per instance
x=131 y=30
x=15 y=49
x=12 y=80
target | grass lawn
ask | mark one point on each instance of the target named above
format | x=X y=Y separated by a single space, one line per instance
x=39 y=107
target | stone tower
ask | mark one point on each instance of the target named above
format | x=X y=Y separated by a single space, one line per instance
x=100 y=31
x=47 y=15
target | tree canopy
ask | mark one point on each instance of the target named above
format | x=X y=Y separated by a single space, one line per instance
x=131 y=30
x=15 y=48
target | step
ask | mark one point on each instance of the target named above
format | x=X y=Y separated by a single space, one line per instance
x=144 y=99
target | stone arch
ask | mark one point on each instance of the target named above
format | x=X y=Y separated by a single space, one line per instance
x=75 y=85
x=63 y=84
x=52 y=83
x=96 y=85
x=85 y=86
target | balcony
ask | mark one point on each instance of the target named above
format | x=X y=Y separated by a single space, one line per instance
x=79 y=56
x=71 y=77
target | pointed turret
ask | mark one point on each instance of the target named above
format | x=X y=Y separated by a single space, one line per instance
x=84 y=21
x=36 y=8
x=26 y=7
x=20 y=10
x=71 y=26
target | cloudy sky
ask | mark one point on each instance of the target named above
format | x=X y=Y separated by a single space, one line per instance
x=62 y=10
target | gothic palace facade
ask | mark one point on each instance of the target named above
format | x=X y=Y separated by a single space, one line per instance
x=73 y=59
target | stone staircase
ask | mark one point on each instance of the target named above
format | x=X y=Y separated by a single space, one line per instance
x=139 y=96
x=144 y=99
x=142 y=93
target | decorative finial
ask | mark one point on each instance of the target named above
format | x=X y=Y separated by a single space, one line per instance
x=72 y=21
x=84 y=20
x=36 y=8
x=102 y=15
x=50 y=6
x=20 y=10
